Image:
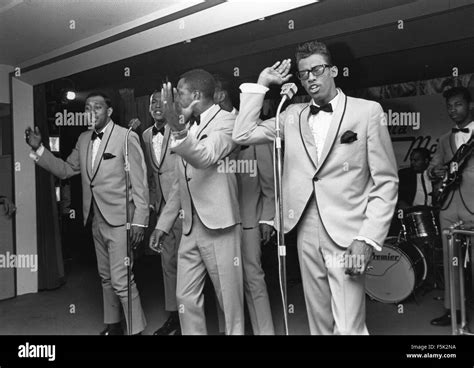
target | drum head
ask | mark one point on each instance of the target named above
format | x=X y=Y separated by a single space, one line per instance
x=392 y=278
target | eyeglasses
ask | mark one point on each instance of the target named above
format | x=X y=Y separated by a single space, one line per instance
x=316 y=71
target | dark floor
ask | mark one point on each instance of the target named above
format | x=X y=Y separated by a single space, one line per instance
x=76 y=307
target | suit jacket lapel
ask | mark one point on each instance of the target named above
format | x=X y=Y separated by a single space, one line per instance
x=151 y=152
x=452 y=143
x=210 y=116
x=307 y=136
x=103 y=145
x=164 y=145
x=89 y=156
x=336 y=121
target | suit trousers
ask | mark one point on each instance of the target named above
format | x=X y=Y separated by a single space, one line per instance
x=111 y=250
x=216 y=251
x=169 y=265
x=454 y=213
x=255 y=288
x=335 y=302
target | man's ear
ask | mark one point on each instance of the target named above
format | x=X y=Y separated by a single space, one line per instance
x=196 y=95
x=334 y=71
x=219 y=97
x=109 y=111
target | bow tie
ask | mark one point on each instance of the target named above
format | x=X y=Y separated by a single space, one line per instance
x=195 y=119
x=463 y=130
x=313 y=109
x=155 y=130
x=96 y=135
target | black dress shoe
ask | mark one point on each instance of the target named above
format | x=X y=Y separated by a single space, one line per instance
x=114 y=329
x=171 y=325
x=445 y=319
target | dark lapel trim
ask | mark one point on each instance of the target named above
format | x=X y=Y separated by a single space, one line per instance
x=102 y=155
x=205 y=126
x=88 y=157
x=151 y=151
x=325 y=154
x=164 y=145
x=313 y=159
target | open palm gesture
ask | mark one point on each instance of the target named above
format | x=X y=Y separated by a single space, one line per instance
x=175 y=116
x=278 y=73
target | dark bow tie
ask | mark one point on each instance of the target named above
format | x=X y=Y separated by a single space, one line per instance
x=463 y=130
x=313 y=109
x=155 y=130
x=96 y=135
x=196 y=119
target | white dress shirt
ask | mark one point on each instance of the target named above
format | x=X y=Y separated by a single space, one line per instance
x=96 y=143
x=157 y=142
x=461 y=138
x=420 y=194
x=319 y=125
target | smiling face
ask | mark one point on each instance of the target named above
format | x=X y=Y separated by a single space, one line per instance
x=155 y=108
x=322 y=88
x=97 y=107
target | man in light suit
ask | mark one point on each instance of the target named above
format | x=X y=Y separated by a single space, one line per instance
x=161 y=175
x=459 y=205
x=99 y=157
x=257 y=209
x=339 y=184
x=207 y=196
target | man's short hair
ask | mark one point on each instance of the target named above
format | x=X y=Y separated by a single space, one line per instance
x=107 y=99
x=310 y=48
x=200 y=80
x=424 y=152
x=458 y=91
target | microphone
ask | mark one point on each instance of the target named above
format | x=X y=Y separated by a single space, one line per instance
x=288 y=90
x=134 y=124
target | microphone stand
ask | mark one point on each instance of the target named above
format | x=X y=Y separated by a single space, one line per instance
x=128 y=227
x=277 y=166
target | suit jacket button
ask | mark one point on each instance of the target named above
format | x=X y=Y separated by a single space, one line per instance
x=188 y=179
x=315 y=178
x=92 y=186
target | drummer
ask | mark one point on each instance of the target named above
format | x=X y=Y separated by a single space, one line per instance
x=415 y=187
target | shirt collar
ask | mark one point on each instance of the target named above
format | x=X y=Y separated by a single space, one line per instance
x=205 y=114
x=106 y=126
x=333 y=102
x=470 y=126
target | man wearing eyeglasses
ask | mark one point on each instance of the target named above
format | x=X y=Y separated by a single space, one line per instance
x=340 y=184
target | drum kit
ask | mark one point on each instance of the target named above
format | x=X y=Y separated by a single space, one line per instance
x=406 y=260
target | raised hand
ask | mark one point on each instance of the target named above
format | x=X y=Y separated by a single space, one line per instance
x=175 y=116
x=33 y=138
x=278 y=73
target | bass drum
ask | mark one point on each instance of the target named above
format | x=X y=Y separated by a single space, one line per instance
x=395 y=272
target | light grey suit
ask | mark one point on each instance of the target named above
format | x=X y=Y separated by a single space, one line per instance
x=161 y=175
x=211 y=224
x=351 y=191
x=454 y=210
x=103 y=197
x=257 y=203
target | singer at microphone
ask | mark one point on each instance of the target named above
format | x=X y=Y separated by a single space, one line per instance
x=98 y=157
x=339 y=182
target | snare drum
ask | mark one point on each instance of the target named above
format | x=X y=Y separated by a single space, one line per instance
x=397 y=271
x=421 y=224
